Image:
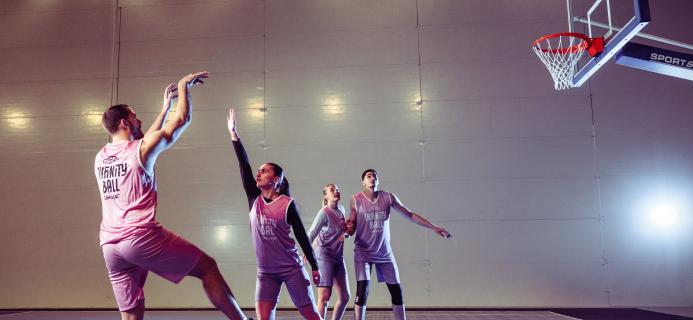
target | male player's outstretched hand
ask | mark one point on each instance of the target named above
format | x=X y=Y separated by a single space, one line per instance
x=170 y=93
x=443 y=233
x=193 y=79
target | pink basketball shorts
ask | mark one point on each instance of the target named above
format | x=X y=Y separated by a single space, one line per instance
x=157 y=250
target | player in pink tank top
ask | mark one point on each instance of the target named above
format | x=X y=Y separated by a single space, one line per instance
x=128 y=191
x=132 y=240
x=328 y=233
x=273 y=215
x=369 y=221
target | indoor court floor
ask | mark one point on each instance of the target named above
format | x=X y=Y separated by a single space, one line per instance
x=556 y=314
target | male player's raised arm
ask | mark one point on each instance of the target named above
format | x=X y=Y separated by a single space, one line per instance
x=157 y=141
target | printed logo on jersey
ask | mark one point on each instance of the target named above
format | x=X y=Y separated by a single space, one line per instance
x=110 y=160
x=375 y=219
x=110 y=178
x=266 y=224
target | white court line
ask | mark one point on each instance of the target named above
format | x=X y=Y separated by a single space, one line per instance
x=16 y=313
x=562 y=315
x=487 y=313
x=444 y=313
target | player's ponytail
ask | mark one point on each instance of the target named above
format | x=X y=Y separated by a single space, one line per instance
x=284 y=187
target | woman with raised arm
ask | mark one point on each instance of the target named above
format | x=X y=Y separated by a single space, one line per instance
x=273 y=214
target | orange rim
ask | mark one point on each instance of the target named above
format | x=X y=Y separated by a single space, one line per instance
x=584 y=44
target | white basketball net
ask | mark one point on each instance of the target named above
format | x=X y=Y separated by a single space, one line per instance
x=560 y=54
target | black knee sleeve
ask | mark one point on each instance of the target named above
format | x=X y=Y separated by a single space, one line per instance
x=395 y=293
x=361 y=293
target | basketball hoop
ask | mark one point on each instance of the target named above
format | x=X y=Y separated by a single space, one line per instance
x=560 y=53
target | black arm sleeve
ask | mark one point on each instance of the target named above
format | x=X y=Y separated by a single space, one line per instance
x=294 y=219
x=251 y=189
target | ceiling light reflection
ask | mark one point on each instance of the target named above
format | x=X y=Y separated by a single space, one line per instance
x=18 y=120
x=222 y=234
x=256 y=108
x=92 y=117
x=333 y=105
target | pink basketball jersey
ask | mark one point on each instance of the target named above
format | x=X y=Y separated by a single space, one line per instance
x=275 y=250
x=372 y=237
x=128 y=191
